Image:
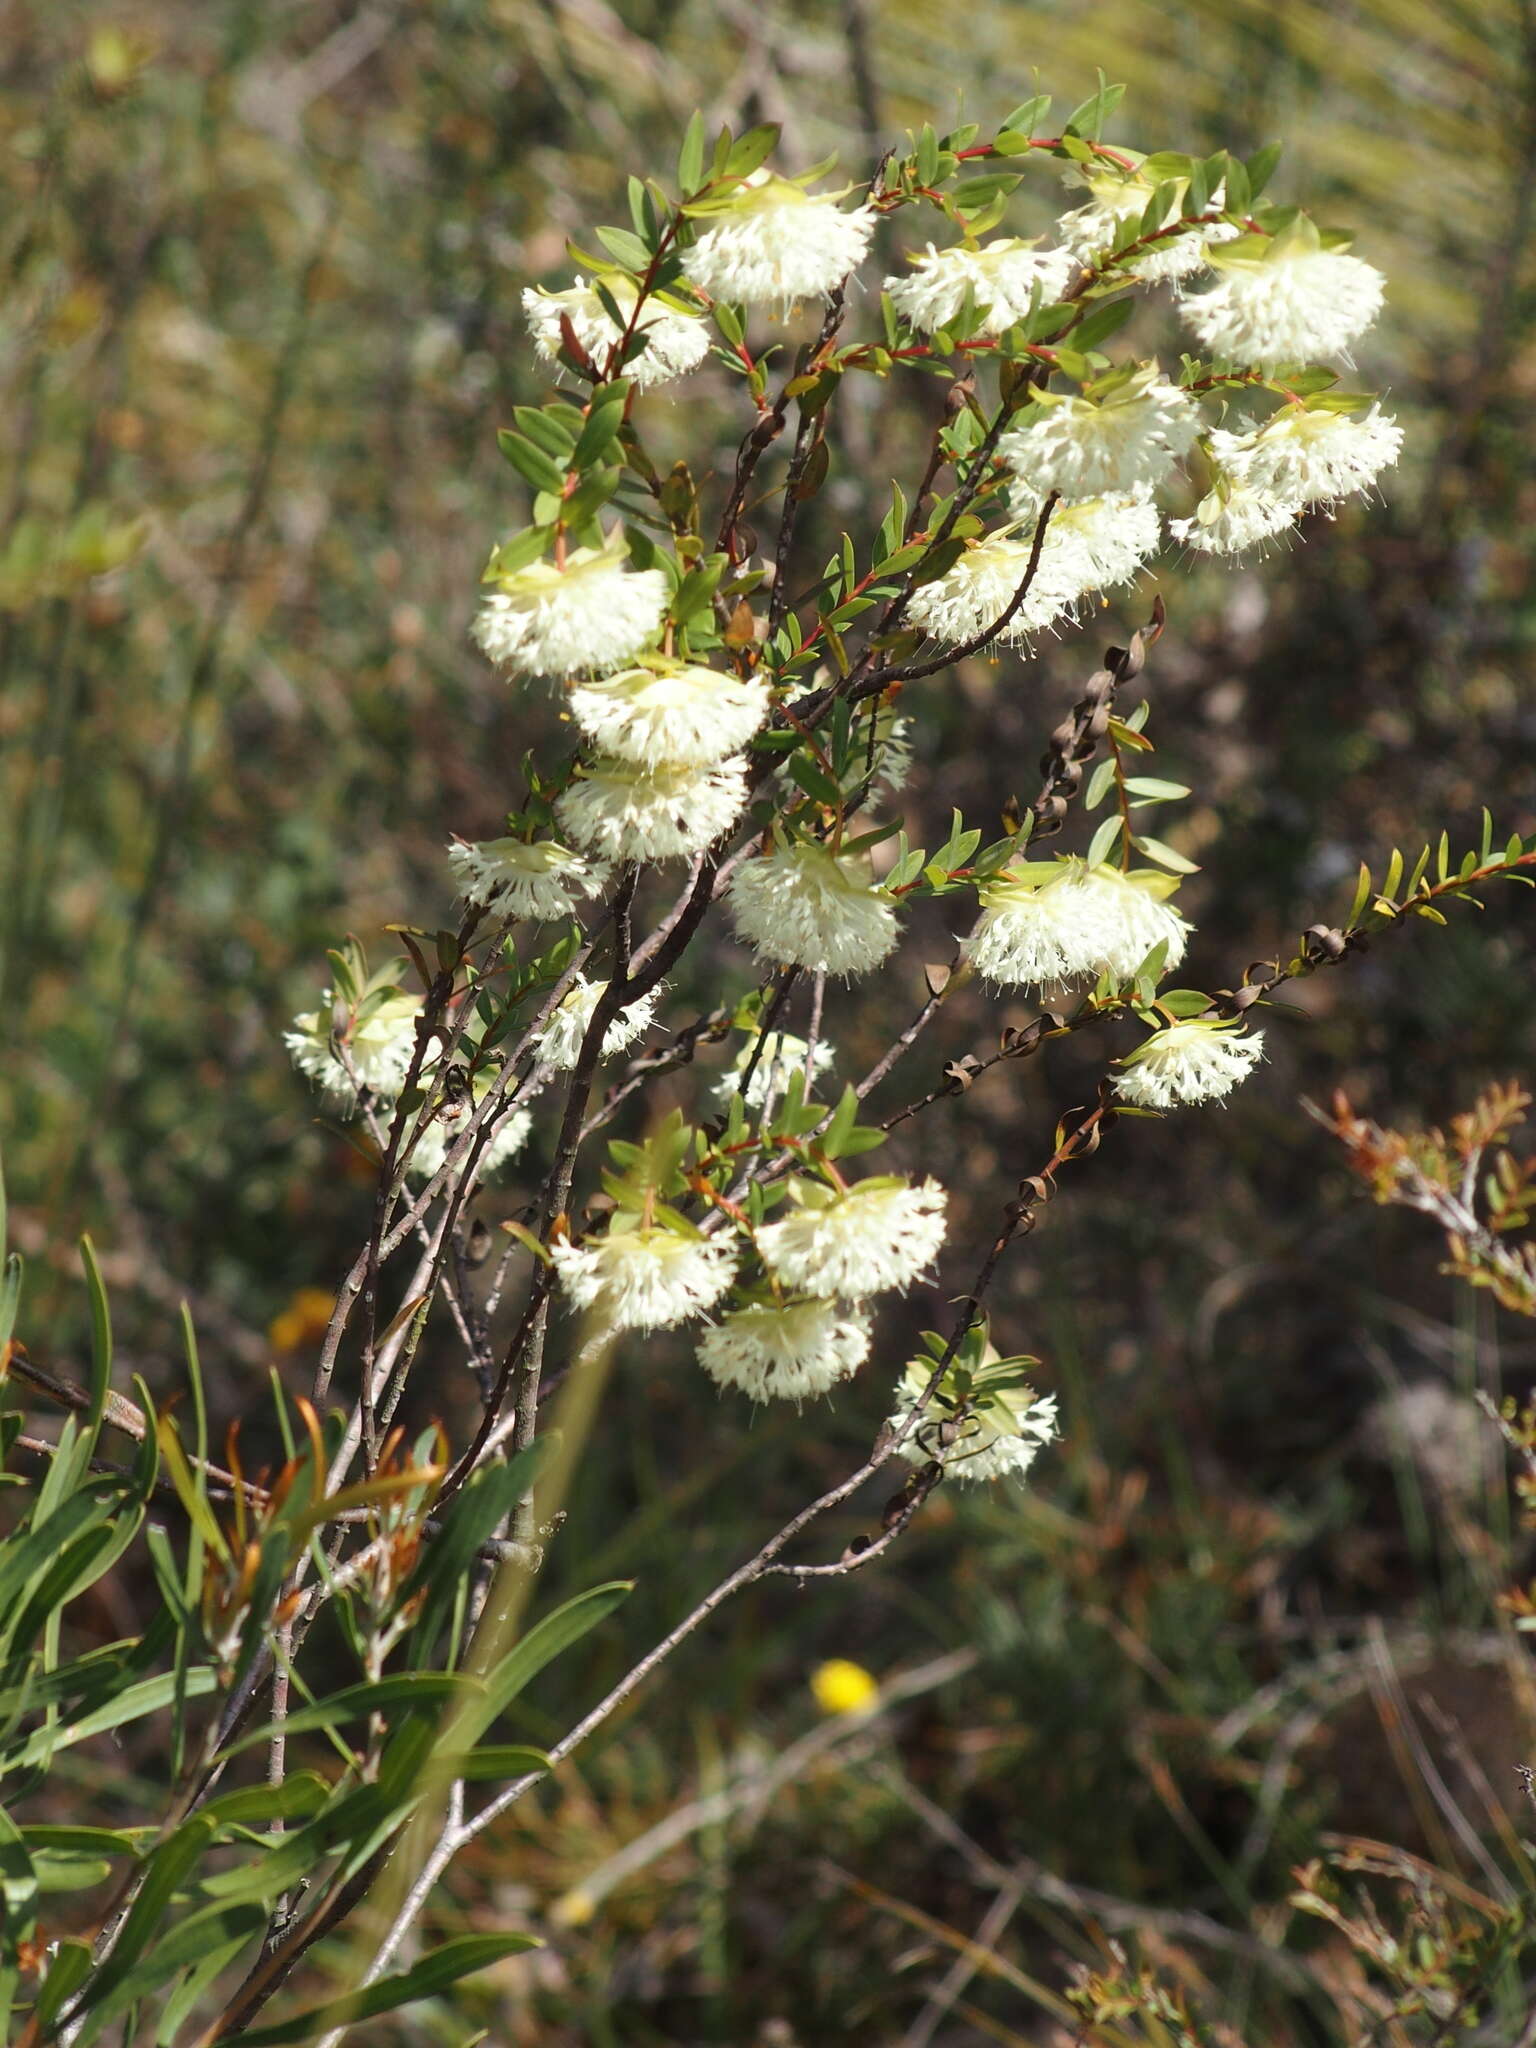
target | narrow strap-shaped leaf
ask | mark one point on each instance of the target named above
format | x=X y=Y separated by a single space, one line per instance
x=400 y=1689
x=434 y=1973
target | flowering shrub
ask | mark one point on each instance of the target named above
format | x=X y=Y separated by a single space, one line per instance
x=742 y=715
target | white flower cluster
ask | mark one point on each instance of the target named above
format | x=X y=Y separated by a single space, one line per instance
x=1065 y=922
x=1003 y=279
x=509 y=1134
x=640 y=1278
x=673 y=712
x=805 y=906
x=624 y=811
x=588 y=614
x=676 y=341
x=1089 y=546
x=1283 y=300
x=789 y=1351
x=878 y=1234
x=774 y=1060
x=535 y=879
x=560 y=1042
x=1299 y=458
x=773 y=243
x=1126 y=440
x=999 y=1436
x=1120 y=194
x=1198 y=1061
x=378 y=1045
x=835 y=1249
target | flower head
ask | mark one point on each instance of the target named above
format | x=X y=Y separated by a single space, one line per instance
x=538 y=878
x=676 y=341
x=805 y=906
x=379 y=1040
x=626 y=812
x=856 y=1241
x=560 y=1043
x=689 y=716
x=1064 y=921
x=773 y=243
x=1119 y=193
x=645 y=1279
x=1232 y=517
x=1004 y=278
x=509 y=1134
x=790 y=1351
x=1086 y=547
x=995 y=1432
x=591 y=614
x=1198 y=1061
x=1300 y=458
x=842 y=1687
x=1287 y=301
x=1126 y=440
x=774 y=1060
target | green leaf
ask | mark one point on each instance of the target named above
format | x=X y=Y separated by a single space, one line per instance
x=188 y=1942
x=1088 y=119
x=690 y=158
x=446 y=1966
x=400 y=1689
x=814 y=780
x=1165 y=856
x=300 y=1795
x=132 y=1704
x=1104 y=321
x=101 y=1341
x=166 y=1870
x=531 y=462
x=66 y=1973
x=625 y=248
x=544 y=1641
x=1154 y=790
x=502 y=1761
x=750 y=151
x=601 y=425
x=1103 y=841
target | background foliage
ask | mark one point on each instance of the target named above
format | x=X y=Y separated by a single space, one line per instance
x=260 y=323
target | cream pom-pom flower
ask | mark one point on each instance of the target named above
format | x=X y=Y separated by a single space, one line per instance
x=537 y=878
x=379 y=1042
x=1300 y=458
x=627 y=812
x=1123 y=441
x=1086 y=547
x=789 y=1351
x=1062 y=921
x=1232 y=517
x=999 y=1435
x=773 y=242
x=674 y=711
x=591 y=613
x=676 y=341
x=509 y=1134
x=782 y=1056
x=805 y=906
x=1119 y=193
x=645 y=1278
x=560 y=1042
x=1003 y=277
x=857 y=1241
x=1284 y=300
x=1201 y=1060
